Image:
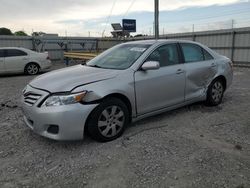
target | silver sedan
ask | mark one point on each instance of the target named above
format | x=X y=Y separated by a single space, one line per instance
x=126 y=83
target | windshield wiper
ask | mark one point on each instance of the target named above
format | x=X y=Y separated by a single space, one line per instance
x=97 y=66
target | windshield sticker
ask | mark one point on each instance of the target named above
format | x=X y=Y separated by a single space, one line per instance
x=137 y=49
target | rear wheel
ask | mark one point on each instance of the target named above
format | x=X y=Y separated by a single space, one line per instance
x=108 y=121
x=31 y=69
x=215 y=93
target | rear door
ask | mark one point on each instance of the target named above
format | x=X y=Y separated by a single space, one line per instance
x=2 y=68
x=156 y=89
x=15 y=60
x=200 y=69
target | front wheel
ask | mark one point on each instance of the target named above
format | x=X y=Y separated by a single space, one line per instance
x=108 y=120
x=215 y=93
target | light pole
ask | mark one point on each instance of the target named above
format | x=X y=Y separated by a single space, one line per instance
x=156 y=19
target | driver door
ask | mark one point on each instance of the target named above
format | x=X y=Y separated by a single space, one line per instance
x=164 y=87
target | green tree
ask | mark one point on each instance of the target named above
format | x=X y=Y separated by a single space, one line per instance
x=38 y=33
x=35 y=34
x=5 y=31
x=20 y=33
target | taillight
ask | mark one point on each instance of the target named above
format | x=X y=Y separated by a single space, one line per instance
x=231 y=64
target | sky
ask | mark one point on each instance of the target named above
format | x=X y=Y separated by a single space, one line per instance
x=93 y=17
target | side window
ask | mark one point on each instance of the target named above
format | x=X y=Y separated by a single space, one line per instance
x=166 y=55
x=14 y=53
x=192 y=52
x=207 y=56
x=1 y=53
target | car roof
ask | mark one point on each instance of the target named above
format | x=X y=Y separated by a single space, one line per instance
x=159 y=41
x=18 y=48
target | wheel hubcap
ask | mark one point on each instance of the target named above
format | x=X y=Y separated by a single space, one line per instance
x=32 y=69
x=111 y=121
x=217 y=91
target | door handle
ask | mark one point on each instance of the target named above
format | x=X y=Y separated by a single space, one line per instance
x=213 y=65
x=179 y=71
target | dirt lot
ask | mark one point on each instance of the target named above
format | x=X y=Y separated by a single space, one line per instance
x=194 y=146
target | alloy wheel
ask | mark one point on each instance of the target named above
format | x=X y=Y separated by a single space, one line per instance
x=32 y=69
x=111 y=121
x=217 y=91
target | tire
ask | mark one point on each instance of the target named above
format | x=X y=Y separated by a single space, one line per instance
x=108 y=120
x=215 y=93
x=32 y=69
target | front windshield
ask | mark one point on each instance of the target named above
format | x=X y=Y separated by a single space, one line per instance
x=119 y=57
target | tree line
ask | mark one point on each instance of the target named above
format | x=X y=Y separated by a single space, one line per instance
x=6 y=31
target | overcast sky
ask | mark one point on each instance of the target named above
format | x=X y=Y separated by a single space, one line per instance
x=81 y=17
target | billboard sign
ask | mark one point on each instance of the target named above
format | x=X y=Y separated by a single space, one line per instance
x=129 y=25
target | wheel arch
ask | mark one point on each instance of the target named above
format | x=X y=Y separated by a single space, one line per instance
x=120 y=96
x=124 y=99
x=31 y=62
x=223 y=79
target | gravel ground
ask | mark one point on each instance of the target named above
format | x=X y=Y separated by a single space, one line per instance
x=194 y=146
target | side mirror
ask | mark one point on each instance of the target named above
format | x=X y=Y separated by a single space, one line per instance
x=150 y=65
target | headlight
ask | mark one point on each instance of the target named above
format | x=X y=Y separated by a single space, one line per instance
x=58 y=100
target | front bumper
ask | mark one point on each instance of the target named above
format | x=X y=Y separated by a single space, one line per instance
x=70 y=119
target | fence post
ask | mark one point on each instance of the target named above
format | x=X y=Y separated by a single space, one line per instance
x=33 y=43
x=233 y=45
x=194 y=36
x=96 y=46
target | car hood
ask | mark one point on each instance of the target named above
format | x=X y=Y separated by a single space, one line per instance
x=67 y=79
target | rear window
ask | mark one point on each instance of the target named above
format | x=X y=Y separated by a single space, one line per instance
x=192 y=52
x=14 y=53
x=195 y=53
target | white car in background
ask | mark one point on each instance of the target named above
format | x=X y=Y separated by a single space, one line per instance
x=22 y=60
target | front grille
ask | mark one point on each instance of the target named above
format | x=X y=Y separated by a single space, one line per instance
x=31 y=98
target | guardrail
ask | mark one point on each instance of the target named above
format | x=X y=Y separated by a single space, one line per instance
x=80 y=55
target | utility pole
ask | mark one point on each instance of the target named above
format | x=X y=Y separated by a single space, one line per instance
x=156 y=22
